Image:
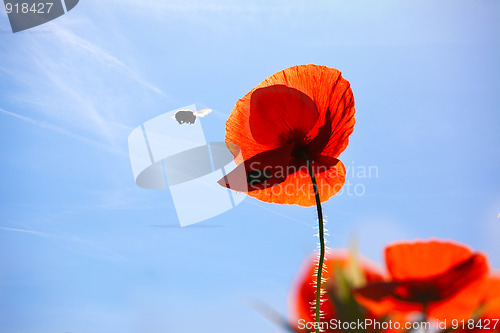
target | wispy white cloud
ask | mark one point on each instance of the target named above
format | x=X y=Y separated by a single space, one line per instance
x=61 y=131
x=37 y=233
x=97 y=250
x=74 y=82
x=72 y=243
x=104 y=57
x=202 y=5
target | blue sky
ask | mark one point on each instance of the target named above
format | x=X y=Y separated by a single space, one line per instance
x=86 y=250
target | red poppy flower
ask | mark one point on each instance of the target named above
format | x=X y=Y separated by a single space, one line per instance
x=488 y=316
x=303 y=112
x=475 y=309
x=303 y=294
x=491 y=301
x=430 y=276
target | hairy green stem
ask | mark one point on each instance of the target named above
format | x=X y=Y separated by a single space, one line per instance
x=321 y=242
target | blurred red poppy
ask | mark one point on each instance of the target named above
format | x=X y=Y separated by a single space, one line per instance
x=302 y=112
x=344 y=274
x=475 y=309
x=488 y=314
x=435 y=277
x=491 y=301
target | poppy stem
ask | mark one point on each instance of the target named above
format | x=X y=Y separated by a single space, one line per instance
x=321 y=242
x=425 y=312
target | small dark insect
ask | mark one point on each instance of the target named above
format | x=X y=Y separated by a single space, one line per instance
x=188 y=116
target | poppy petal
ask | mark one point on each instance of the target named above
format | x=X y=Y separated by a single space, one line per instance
x=280 y=115
x=428 y=259
x=491 y=299
x=442 y=286
x=378 y=291
x=297 y=188
x=323 y=85
x=387 y=306
x=462 y=305
x=261 y=171
x=338 y=122
x=472 y=269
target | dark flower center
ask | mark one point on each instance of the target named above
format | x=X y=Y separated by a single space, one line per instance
x=300 y=152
